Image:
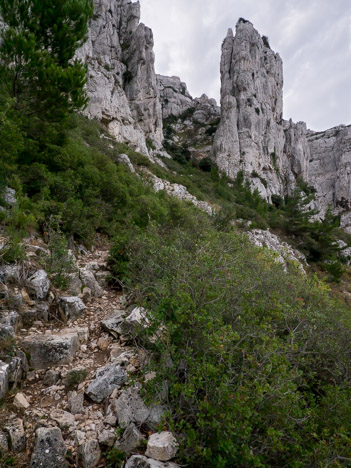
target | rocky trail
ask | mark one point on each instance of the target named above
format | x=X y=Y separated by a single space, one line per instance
x=70 y=383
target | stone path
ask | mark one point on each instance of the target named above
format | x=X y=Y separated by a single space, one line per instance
x=74 y=394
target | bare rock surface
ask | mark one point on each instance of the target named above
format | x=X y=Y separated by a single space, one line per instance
x=178 y=191
x=284 y=251
x=122 y=81
x=50 y=350
x=107 y=379
x=174 y=95
x=253 y=138
x=250 y=137
x=130 y=408
x=139 y=461
x=39 y=284
x=329 y=170
x=72 y=307
x=89 y=454
x=4 y=379
x=15 y=430
x=50 y=450
x=88 y=279
x=162 y=446
x=131 y=439
x=4 y=445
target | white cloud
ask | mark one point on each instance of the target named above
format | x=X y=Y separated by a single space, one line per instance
x=312 y=36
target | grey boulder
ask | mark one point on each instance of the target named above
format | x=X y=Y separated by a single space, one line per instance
x=39 y=284
x=131 y=439
x=88 y=279
x=89 y=454
x=4 y=379
x=107 y=379
x=139 y=461
x=50 y=450
x=162 y=446
x=113 y=323
x=71 y=306
x=16 y=434
x=51 y=350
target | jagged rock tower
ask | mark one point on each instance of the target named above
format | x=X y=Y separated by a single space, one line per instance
x=122 y=81
x=250 y=137
x=253 y=137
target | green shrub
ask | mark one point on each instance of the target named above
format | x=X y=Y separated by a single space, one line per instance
x=115 y=458
x=253 y=358
x=59 y=264
x=74 y=378
x=206 y=164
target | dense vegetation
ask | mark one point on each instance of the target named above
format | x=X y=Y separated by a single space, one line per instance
x=255 y=361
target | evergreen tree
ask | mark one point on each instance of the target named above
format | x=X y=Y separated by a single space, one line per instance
x=38 y=43
x=298 y=211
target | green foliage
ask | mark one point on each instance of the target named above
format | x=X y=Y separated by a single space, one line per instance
x=297 y=211
x=266 y=41
x=11 y=138
x=59 y=263
x=252 y=358
x=274 y=161
x=36 y=56
x=115 y=458
x=257 y=176
x=212 y=128
x=7 y=345
x=150 y=144
x=7 y=460
x=179 y=153
x=74 y=378
x=187 y=113
x=206 y=164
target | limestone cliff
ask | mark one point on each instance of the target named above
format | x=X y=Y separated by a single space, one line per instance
x=188 y=122
x=250 y=137
x=329 y=170
x=174 y=95
x=122 y=81
x=253 y=137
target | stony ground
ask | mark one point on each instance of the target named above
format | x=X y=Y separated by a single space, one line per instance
x=86 y=395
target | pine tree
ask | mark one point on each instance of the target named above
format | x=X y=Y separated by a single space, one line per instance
x=298 y=211
x=38 y=70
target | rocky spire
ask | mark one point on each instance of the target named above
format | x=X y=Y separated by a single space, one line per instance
x=250 y=137
x=253 y=137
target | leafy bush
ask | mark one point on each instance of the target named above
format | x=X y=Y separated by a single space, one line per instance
x=253 y=358
x=206 y=164
x=59 y=263
x=74 y=378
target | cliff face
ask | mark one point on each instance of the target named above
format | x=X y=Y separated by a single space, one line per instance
x=122 y=81
x=174 y=95
x=188 y=123
x=329 y=170
x=250 y=137
x=253 y=137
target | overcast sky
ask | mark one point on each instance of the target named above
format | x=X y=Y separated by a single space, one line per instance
x=313 y=37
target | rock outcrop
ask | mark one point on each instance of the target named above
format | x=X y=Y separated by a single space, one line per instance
x=121 y=84
x=174 y=95
x=252 y=136
x=189 y=124
x=329 y=170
